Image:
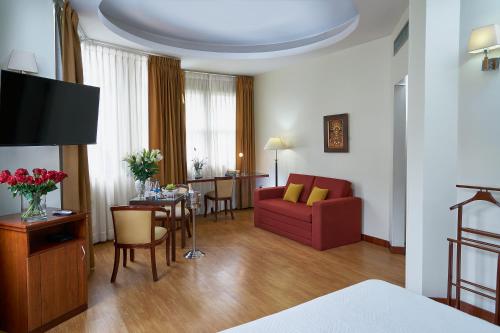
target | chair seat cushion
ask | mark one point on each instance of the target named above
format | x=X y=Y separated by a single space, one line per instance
x=297 y=210
x=160 y=232
x=178 y=212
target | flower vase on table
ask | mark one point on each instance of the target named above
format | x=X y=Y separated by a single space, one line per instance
x=140 y=188
x=32 y=189
x=198 y=164
x=143 y=165
x=33 y=207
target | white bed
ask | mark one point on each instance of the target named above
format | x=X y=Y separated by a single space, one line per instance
x=370 y=306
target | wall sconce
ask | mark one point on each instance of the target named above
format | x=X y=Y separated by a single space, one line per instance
x=23 y=62
x=485 y=39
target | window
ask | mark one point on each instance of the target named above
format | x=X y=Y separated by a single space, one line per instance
x=211 y=122
x=122 y=128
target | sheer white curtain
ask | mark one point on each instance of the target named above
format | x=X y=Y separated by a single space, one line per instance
x=122 y=128
x=210 y=123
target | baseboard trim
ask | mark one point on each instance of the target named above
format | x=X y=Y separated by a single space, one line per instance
x=384 y=243
x=397 y=249
x=61 y=319
x=469 y=309
x=375 y=240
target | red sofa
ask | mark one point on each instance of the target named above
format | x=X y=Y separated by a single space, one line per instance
x=332 y=222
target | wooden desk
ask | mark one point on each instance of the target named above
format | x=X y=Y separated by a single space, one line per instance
x=252 y=175
x=244 y=176
x=42 y=283
x=171 y=202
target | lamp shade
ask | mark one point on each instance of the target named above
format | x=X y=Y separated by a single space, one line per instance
x=484 y=38
x=275 y=144
x=23 y=61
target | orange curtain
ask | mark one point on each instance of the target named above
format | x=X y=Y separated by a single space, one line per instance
x=76 y=188
x=245 y=138
x=167 y=118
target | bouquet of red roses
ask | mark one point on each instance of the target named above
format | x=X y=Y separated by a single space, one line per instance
x=42 y=181
x=32 y=187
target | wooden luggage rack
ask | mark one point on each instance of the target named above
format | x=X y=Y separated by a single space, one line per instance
x=483 y=194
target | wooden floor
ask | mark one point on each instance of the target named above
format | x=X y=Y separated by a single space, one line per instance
x=247 y=273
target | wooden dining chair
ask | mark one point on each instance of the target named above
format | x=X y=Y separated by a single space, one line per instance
x=223 y=192
x=134 y=227
x=184 y=224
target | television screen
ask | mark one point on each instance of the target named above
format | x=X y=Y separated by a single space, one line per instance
x=36 y=111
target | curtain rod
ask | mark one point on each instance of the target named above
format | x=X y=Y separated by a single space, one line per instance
x=125 y=48
x=211 y=73
x=84 y=37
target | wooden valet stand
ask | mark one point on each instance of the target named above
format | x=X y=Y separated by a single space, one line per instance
x=483 y=194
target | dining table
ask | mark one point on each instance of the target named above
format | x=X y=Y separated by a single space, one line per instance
x=166 y=201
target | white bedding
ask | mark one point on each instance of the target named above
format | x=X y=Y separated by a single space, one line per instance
x=370 y=306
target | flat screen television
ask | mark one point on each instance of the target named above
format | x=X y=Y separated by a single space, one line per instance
x=36 y=111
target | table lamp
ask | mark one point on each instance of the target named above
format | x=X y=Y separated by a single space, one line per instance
x=240 y=155
x=275 y=144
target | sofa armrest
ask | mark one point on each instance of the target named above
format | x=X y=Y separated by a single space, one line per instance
x=336 y=222
x=269 y=193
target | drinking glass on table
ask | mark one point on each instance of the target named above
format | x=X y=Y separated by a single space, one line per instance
x=157 y=189
x=147 y=188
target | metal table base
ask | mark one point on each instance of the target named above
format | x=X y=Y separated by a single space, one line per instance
x=194 y=253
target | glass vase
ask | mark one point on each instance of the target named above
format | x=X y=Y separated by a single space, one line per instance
x=140 y=187
x=197 y=174
x=33 y=207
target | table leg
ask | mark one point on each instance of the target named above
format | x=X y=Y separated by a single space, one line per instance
x=173 y=227
x=183 y=224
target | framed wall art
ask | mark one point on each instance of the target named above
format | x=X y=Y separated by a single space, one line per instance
x=336 y=133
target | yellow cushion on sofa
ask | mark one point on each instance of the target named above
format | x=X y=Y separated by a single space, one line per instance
x=317 y=194
x=292 y=193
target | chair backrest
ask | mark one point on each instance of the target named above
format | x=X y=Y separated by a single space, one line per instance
x=134 y=224
x=182 y=189
x=224 y=187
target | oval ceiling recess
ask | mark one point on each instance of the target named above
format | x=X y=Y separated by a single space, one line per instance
x=239 y=29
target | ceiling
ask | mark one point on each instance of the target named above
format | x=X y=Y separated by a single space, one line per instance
x=242 y=36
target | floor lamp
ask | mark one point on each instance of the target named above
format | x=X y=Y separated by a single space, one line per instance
x=275 y=144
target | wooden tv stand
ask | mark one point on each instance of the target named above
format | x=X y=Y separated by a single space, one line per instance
x=42 y=282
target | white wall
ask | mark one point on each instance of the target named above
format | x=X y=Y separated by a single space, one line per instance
x=431 y=141
x=452 y=139
x=291 y=103
x=399 y=71
x=479 y=140
x=399 y=62
x=27 y=25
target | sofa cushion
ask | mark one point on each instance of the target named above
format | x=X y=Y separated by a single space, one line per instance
x=297 y=210
x=337 y=188
x=306 y=180
x=317 y=194
x=292 y=193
